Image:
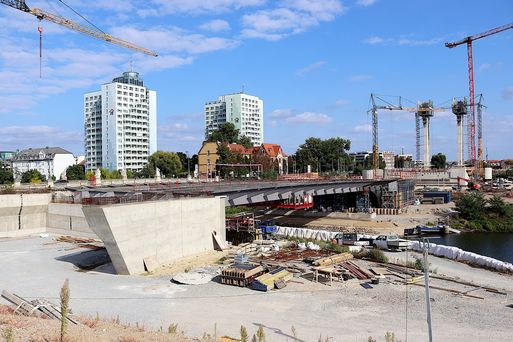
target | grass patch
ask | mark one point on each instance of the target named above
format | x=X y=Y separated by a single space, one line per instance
x=372 y=254
x=418 y=264
x=232 y=211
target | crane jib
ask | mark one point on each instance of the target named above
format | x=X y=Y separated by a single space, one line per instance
x=41 y=14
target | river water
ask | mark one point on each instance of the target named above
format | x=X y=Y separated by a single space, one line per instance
x=494 y=245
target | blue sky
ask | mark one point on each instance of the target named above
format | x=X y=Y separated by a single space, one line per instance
x=314 y=63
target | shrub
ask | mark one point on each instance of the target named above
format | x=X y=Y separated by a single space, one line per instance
x=243 y=334
x=173 y=328
x=260 y=334
x=8 y=335
x=64 y=296
x=32 y=176
x=377 y=255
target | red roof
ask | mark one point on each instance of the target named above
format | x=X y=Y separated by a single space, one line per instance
x=237 y=148
x=273 y=150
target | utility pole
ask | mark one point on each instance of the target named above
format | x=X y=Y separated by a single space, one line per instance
x=425 y=251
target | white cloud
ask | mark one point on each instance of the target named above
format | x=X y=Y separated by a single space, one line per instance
x=365 y=3
x=174 y=40
x=311 y=67
x=341 y=103
x=290 y=17
x=176 y=127
x=294 y=117
x=216 y=25
x=310 y=118
x=179 y=131
x=148 y=64
x=420 y=42
x=507 y=94
x=360 y=78
x=374 y=40
x=484 y=67
x=14 y=137
x=281 y=113
x=164 y=7
x=365 y=128
x=403 y=41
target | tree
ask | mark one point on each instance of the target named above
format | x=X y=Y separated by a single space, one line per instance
x=194 y=161
x=32 y=176
x=471 y=206
x=6 y=176
x=75 y=172
x=322 y=155
x=183 y=160
x=499 y=207
x=147 y=172
x=225 y=133
x=168 y=163
x=245 y=141
x=368 y=162
x=438 y=161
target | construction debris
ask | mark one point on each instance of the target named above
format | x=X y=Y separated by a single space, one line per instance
x=333 y=259
x=39 y=307
x=268 y=281
x=355 y=270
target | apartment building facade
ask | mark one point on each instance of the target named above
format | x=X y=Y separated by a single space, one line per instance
x=245 y=111
x=120 y=124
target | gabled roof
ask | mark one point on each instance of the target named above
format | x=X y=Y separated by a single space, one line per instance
x=237 y=148
x=273 y=150
x=43 y=153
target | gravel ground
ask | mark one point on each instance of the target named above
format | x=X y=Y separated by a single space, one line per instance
x=346 y=311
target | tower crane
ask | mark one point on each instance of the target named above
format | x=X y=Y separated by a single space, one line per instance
x=90 y=31
x=472 y=116
x=423 y=112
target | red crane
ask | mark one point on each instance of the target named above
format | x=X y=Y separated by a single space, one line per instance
x=472 y=121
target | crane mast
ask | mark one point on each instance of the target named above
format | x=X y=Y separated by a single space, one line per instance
x=43 y=15
x=472 y=117
x=423 y=112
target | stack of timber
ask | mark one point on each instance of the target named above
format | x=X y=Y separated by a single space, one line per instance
x=241 y=275
x=355 y=270
x=37 y=306
x=333 y=259
x=268 y=281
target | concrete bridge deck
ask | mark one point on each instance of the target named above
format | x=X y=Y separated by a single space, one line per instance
x=240 y=193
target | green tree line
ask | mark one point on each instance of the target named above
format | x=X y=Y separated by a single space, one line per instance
x=484 y=214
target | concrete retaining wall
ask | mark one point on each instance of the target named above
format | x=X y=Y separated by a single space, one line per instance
x=162 y=230
x=67 y=218
x=23 y=214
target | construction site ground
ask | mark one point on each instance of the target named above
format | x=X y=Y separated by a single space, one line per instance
x=36 y=267
x=381 y=224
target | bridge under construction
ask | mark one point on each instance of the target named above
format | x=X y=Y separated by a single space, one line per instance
x=338 y=194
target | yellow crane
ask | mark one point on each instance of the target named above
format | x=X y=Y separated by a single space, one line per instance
x=57 y=19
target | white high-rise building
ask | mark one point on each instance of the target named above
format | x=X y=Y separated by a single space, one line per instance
x=245 y=111
x=120 y=124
